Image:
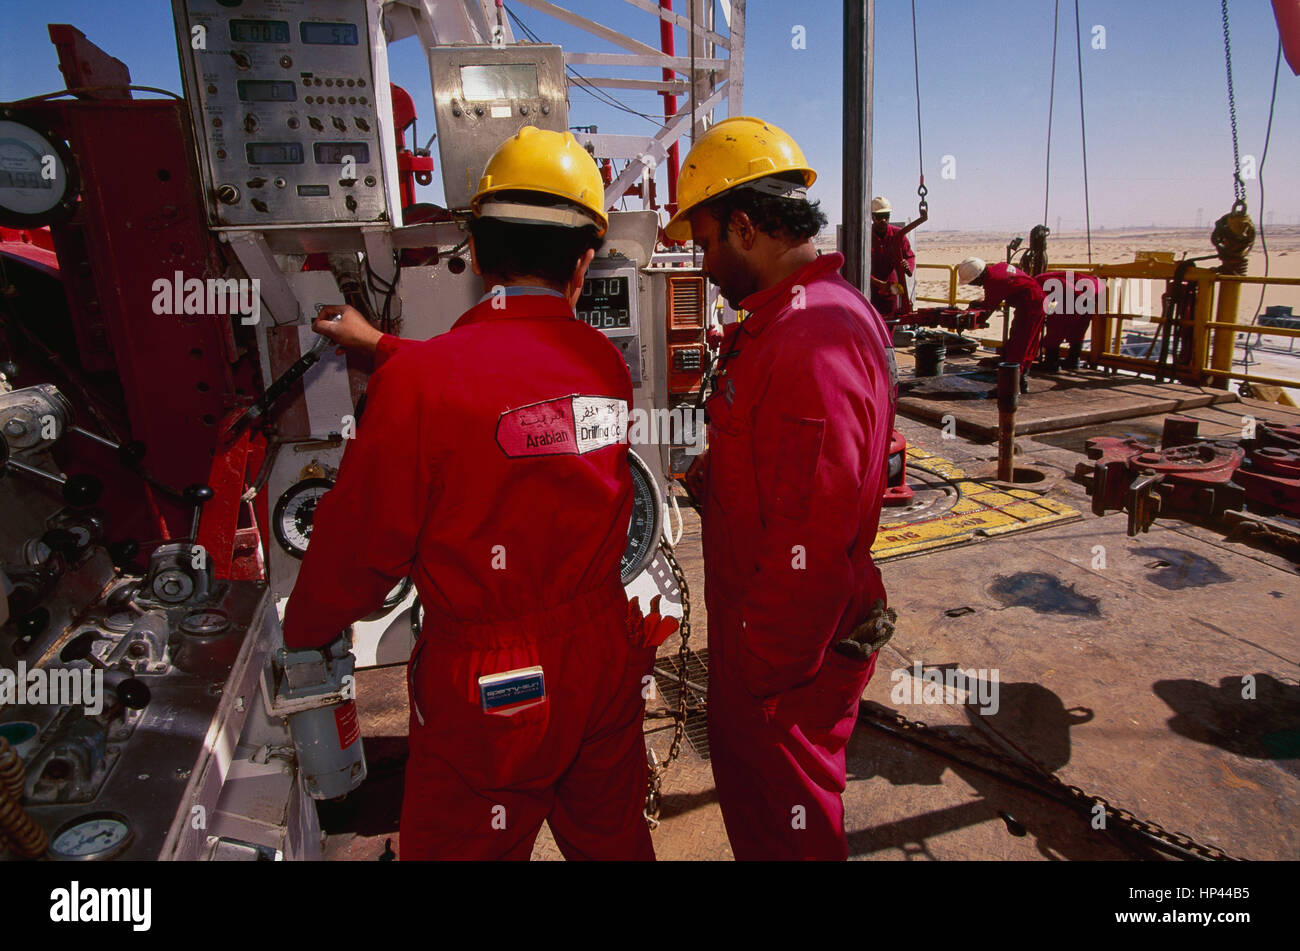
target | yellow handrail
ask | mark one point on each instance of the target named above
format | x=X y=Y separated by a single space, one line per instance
x=1207 y=363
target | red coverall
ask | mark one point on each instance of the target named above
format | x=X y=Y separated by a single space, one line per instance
x=892 y=261
x=1073 y=315
x=1005 y=282
x=799 y=430
x=490 y=467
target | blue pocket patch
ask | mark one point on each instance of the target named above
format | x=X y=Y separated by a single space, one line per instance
x=507 y=693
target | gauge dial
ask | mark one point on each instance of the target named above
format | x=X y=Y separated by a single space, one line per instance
x=647 y=520
x=295 y=512
x=205 y=623
x=36 y=184
x=100 y=835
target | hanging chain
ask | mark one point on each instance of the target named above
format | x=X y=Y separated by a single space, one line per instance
x=921 y=191
x=1238 y=186
x=653 y=798
x=895 y=723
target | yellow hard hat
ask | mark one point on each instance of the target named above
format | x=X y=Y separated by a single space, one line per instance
x=735 y=151
x=553 y=163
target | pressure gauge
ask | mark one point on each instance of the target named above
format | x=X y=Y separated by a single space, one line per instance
x=92 y=837
x=647 y=520
x=207 y=623
x=37 y=176
x=295 y=512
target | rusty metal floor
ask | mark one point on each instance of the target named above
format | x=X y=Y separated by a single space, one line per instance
x=1066 y=400
x=1122 y=665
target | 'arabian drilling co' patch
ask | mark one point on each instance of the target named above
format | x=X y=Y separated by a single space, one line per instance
x=568 y=425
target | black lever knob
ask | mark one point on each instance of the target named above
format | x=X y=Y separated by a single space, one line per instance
x=197 y=495
x=61 y=541
x=82 y=489
x=123 y=553
x=131 y=454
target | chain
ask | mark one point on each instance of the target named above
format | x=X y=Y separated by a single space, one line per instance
x=907 y=729
x=653 y=797
x=1238 y=186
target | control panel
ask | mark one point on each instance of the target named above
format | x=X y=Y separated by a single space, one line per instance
x=609 y=302
x=286 y=113
x=485 y=94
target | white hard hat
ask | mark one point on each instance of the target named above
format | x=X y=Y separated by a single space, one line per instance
x=880 y=205
x=970 y=269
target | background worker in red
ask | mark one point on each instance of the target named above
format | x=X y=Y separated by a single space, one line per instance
x=1007 y=283
x=471 y=474
x=892 y=262
x=791 y=486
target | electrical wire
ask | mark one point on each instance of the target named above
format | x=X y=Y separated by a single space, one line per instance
x=1051 y=109
x=1268 y=131
x=1083 y=128
x=583 y=83
x=85 y=89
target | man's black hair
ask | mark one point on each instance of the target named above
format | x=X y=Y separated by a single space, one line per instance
x=547 y=252
x=793 y=218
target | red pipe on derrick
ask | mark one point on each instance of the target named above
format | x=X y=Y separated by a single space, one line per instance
x=670 y=103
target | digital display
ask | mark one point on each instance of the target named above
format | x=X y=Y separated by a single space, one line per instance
x=274 y=153
x=503 y=81
x=259 y=31
x=328 y=34
x=266 y=90
x=313 y=191
x=604 y=303
x=30 y=179
x=333 y=153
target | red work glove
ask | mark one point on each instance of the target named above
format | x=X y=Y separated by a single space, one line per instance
x=697 y=478
x=648 y=631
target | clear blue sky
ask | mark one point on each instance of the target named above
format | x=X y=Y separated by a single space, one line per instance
x=1156 y=99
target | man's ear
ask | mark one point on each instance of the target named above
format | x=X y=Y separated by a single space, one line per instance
x=743 y=226
x=579 y=275
x=473 y=257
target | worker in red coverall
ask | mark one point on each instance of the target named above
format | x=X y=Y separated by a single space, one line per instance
x=892 y=262
x=1007 y=283
x=791 y=489
x=491 y=466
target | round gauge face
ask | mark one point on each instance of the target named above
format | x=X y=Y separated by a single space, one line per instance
x=391 y=600
x=36 y=186
x=647 y=520
x=294 y=513
x=99 y=835
x=205 y=623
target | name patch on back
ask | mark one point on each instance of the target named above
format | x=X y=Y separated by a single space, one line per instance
x=569 y=425
x=508 y=693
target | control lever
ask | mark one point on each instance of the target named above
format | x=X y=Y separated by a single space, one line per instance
x=196 y=495
x=282 y=384
x=79 y=490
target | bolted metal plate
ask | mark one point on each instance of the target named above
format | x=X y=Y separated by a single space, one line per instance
x=949 y=508
x=668 y=677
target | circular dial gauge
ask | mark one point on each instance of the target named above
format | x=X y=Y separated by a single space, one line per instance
x=647 y=520
x=205 y=623
x=100 y=835
x=295 y=512
x=391 y=600
x=36 y=186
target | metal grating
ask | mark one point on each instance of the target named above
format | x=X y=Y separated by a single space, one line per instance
x=685 y=303
x=667 y=678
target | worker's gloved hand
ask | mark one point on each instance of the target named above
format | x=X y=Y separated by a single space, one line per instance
x=870 y=635
x=350 y=330
x=713 y=337
x=648 y=631
x=697 y=478
x=896 y=288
